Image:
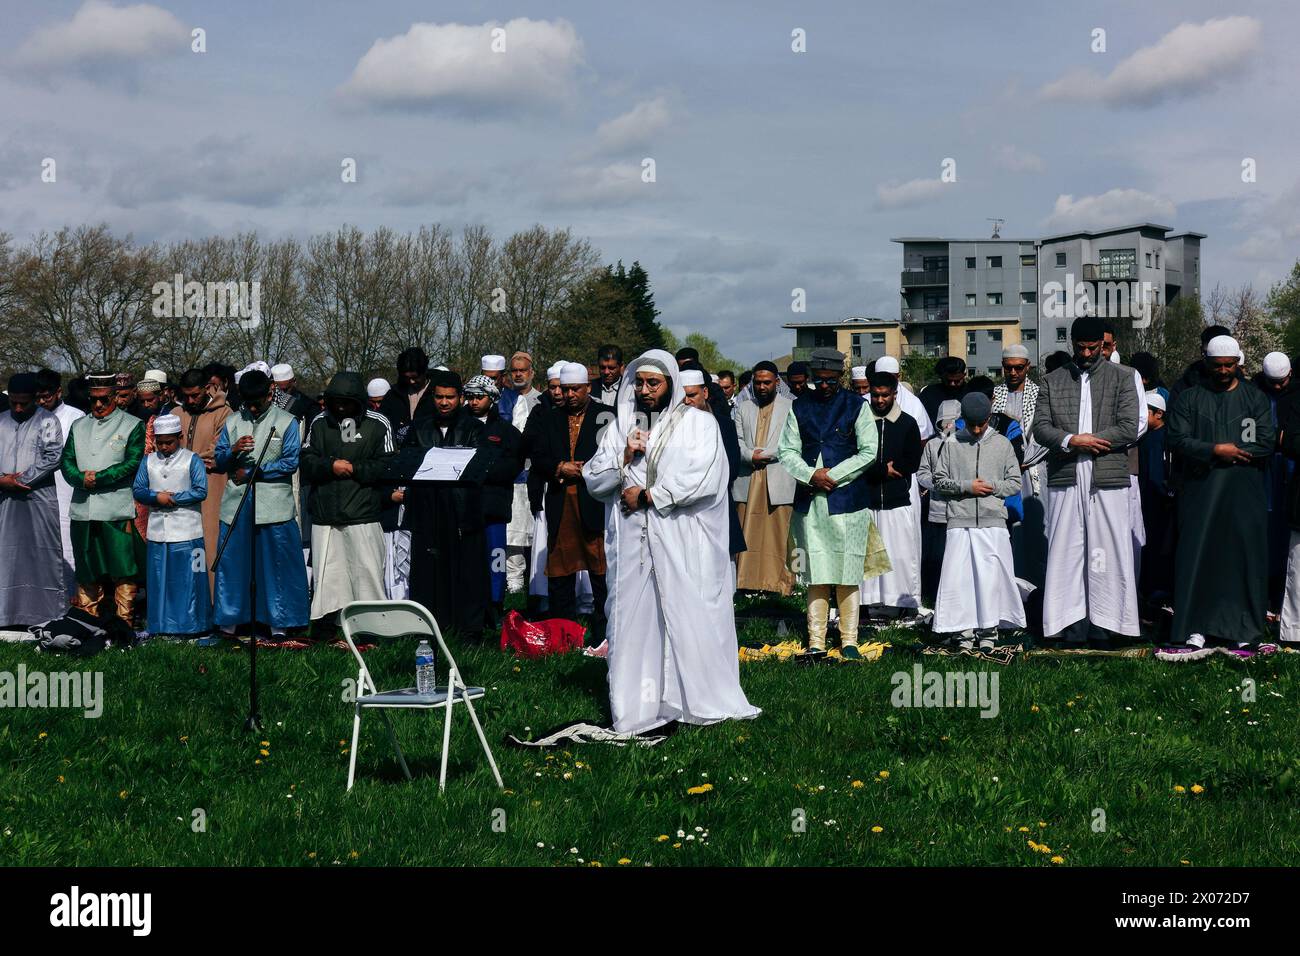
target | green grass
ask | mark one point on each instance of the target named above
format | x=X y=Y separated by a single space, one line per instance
x=1117 y=735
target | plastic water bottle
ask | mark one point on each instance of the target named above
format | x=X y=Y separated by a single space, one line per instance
x=425 y=678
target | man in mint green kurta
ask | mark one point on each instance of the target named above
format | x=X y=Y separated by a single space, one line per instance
x=100 y=459
x=828 y=441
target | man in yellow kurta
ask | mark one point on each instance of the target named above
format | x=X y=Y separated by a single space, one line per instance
x=828 y=441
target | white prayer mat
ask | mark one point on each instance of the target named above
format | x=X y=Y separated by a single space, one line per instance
x=584 y=733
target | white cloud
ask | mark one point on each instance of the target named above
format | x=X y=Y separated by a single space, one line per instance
x=613 y=184
x=1189 y=59
x=1018 y=160
x=1112 y=208
x=100 y=34
x=637 y=127
x=911 y=193
x=454 y=66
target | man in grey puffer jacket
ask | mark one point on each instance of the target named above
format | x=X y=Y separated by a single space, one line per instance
x=974 y=472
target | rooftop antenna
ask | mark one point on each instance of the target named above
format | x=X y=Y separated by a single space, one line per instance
x=997 y=225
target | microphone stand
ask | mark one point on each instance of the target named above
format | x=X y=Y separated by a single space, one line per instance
x=254 y=719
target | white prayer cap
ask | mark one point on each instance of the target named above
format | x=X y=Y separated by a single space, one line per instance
x=1156 y=400
x=690 y=376
x=167 y=425
x=574 y=373
x=1277 y=366
x=239 y=375
x=378 y=387
x=441 y=368
x=553 y=372
x=282 y=373
x=1223 y=346
x=887 y=364
x=1114 y=356
x=156 y=375
x=858 y=372
x=1016 y=351
x=493 y=363
x=713 y=377
x=653 y=366
x=949 y=410
x=260 y=366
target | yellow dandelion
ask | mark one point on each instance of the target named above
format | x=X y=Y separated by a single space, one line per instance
x=1185 y=862
x=1069 y=703
x=1041 y=824
x=266 y=743
x=122 y=795
x=258 y=760
x=883 y=775
x=354 y=854
x=1179 y=788
x=1033 y=709
x=1006 y=829
x=578 y=764
x=857 y=784
x=1197 y=788
x=264 y=752
x=311 y=855
x=624 y=861
x=568 y=776
x=595 y=863
x=702 y=788
x=185 y=738
x=1024 y=829
x=877 y=829
x=1058 y=859
x=677 y=846
x=42 y=735
x=1032 y=845
x=662 y=838
x=343 y=743
x=60 y=778
x=1044 y=848
x=516 y=670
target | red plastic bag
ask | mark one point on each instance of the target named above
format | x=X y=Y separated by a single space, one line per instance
x=538 y=638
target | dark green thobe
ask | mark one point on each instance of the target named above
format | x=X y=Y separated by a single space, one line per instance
x=1221 y=567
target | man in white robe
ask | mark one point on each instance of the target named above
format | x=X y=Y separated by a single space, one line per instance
x=1134 y=494
x=49 y=393
x=1087 y=416
x=662 y=471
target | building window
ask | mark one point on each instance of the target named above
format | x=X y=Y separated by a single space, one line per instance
x=1029 y=335
x=1116 y=263
x=970 y=262
x=1060 y=260
x=1028 y=298
x=995 y=298
x=1060 y=297
x=970 y=299
x=934 y=263
x=995 y=335
x=1157 y=260
x=877 y=338
x=994 y=262
x=1029 y=261
x=970 y=342
x=1060 y=334
x=1148 y=260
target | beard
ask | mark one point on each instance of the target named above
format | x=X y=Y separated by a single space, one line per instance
x=648 y=405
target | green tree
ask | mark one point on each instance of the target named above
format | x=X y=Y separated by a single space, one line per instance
x=1283 y=306
x=711 y=356
x=637 y=283
x=600 y=310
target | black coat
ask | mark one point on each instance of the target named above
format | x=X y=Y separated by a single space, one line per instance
x=899 y=442
x=536 y=482
x=727 y=426
x=396 y=407
x=548 y=446
x=1288 y=425
x=466 y=497
x=501 y=449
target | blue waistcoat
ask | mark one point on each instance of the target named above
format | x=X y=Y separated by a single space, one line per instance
x=827 y=429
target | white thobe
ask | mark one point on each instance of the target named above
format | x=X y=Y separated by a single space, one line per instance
x=1090 y=548
x=66 y=415
x=900 y=586
x=537 y=586
x=977 y=586
x=348 y=561
x=1289 y=623
x=671 y=624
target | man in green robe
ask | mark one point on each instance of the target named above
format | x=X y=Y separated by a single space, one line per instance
x=1223 y=430
x=100 y=459
x=828 y=441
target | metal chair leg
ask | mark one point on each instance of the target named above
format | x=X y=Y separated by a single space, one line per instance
x=473 y=716
x=392 y=736
x=446 y=739
x=356 y=741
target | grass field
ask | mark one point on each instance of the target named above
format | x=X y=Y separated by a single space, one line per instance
x=874 y=784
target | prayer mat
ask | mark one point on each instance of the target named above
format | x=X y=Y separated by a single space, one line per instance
x=1136 y=650
x=1002 y=654
x=582 y=732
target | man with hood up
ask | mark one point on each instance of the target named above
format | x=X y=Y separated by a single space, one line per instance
x=662 y=472
x=347 y=453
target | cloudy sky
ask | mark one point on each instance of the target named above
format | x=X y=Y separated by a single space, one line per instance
x=774 y=169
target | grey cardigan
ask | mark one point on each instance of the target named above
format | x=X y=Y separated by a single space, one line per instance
x=1114 y=418
x=963 y=458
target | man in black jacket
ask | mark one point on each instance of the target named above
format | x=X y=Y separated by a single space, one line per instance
x=411 y=399
x=345 y=457
x=889 y=496
x=718 y=406
x=501 y=447
x=562 y=442
x=448 y=575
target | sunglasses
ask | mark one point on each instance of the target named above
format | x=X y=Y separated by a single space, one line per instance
x=824 y=382
x=101 y=399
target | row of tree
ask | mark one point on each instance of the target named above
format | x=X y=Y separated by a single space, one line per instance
x=83 y=299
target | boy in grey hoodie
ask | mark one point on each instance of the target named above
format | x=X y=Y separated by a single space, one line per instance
x=974 y=472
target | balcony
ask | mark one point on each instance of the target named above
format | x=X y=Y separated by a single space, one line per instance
x=911 y=316
x=1108 y=272
x=929 y=351
x=912 y=278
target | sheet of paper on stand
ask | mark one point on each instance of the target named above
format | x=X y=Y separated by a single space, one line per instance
x=444 y=464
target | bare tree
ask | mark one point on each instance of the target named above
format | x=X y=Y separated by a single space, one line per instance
x=539 y=269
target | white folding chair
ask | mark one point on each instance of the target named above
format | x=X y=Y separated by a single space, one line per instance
x=385 y=619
